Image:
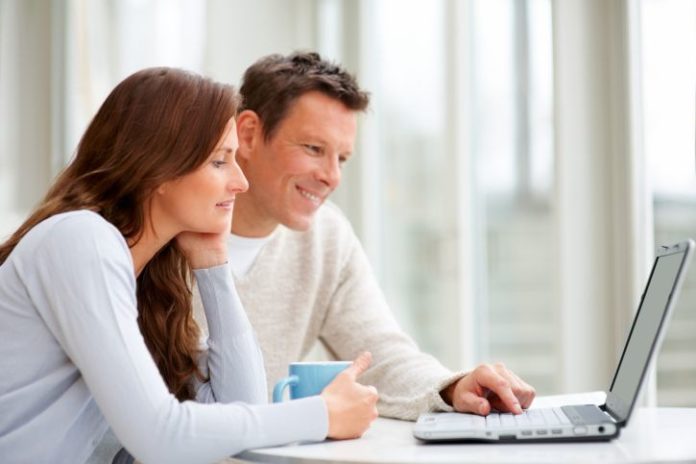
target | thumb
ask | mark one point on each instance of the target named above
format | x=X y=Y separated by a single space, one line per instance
x=360 y=365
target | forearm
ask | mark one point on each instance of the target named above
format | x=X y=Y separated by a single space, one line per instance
x=409 y=381
x=234 y=360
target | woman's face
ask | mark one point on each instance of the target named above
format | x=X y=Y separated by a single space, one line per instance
x=203 y=200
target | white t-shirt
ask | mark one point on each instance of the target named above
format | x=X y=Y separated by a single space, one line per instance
x=243 y=252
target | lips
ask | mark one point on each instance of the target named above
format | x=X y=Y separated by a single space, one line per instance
x=225 y=204
x=313 y=197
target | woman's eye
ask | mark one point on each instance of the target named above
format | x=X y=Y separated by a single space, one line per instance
x=219 y=164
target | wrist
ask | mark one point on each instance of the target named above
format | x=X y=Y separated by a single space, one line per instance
x=448 y=392
x=207 y=260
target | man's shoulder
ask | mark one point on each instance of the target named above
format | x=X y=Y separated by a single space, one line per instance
x=329 y=234
x=330 y=215
x=330 y=226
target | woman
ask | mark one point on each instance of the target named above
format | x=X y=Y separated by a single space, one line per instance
x=96 y=327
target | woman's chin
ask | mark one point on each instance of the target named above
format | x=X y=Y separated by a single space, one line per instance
x=222 y=228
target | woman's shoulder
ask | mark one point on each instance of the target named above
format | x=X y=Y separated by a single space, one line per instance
x=73 y=231
x=76 y=224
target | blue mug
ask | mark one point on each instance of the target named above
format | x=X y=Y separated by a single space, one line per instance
x=308 y=378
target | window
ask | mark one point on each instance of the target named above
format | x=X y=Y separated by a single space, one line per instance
x=415 y=197
x=513 y=143
x=668 y=44
x=438 y=157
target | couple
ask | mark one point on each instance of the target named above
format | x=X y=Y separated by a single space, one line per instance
x=96 y=307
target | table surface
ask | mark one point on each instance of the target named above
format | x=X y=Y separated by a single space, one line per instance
x=652 y=435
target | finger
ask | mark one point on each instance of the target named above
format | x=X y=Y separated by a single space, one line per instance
x=527 y=402
x=360 y=365
x=497 y=404
x=499 y=386
x=471 y=402
x=525 y=393
x=527 y=397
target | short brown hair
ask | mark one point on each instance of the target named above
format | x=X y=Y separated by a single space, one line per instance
x=272 y=84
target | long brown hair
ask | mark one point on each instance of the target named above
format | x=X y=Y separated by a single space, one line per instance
x=155 y=126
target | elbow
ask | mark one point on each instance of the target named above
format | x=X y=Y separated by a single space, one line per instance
x=152 y=450
x=159 y=451
x=165 y=437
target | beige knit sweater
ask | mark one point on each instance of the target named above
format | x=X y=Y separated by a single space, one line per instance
x=318 y=285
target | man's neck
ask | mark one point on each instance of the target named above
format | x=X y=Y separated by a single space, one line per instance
x=247 y=223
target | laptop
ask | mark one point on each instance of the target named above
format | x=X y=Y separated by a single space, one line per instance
x=583 y=422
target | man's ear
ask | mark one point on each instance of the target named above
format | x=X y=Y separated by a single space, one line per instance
x=249 y=133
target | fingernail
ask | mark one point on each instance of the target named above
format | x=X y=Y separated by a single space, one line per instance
x=482 y=408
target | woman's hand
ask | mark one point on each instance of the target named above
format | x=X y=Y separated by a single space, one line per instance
x=203 y=250
x=352 y=407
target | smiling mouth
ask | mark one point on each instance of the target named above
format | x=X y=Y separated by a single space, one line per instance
x=310 y=196
x=225 y=204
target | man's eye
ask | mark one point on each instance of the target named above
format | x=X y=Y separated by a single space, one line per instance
x=313 y=148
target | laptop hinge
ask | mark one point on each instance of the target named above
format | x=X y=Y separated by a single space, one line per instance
x=608 y=412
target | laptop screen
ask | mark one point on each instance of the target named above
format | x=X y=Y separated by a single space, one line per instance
x=643 y=336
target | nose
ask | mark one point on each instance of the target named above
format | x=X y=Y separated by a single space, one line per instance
x=330 y=172
x=237 y=182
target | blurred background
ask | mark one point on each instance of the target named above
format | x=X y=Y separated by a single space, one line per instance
x=519 y=164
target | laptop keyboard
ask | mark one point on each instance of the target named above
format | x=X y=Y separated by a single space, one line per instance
x=545 y=423
x=530 y=418
x=547 y=417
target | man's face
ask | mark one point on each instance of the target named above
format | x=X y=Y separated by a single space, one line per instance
x=292 y=174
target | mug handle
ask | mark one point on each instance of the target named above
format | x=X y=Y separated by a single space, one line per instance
x=280 y=387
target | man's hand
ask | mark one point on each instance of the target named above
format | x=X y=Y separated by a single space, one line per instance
x=489 y=386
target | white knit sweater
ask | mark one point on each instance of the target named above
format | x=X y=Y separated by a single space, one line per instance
x=318 y=285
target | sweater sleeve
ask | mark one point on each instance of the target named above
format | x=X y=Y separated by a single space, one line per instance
x=85 y=271
x=409 y=381
x=232 y=358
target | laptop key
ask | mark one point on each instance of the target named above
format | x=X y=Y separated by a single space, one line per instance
x=536 y=417
x=493 y=421
x=508 y=420
x=550 y=417
x=523 y=419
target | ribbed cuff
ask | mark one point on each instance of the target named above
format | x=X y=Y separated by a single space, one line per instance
x=435 y=401
x=305 y=419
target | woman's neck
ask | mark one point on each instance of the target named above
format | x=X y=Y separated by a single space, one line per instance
x=149 y=243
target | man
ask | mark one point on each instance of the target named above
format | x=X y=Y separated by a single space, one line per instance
x=299 y=268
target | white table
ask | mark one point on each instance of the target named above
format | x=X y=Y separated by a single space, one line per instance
x=652 y=435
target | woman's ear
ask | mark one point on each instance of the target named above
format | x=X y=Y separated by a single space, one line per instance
x=162 y=188
x=249 y=133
